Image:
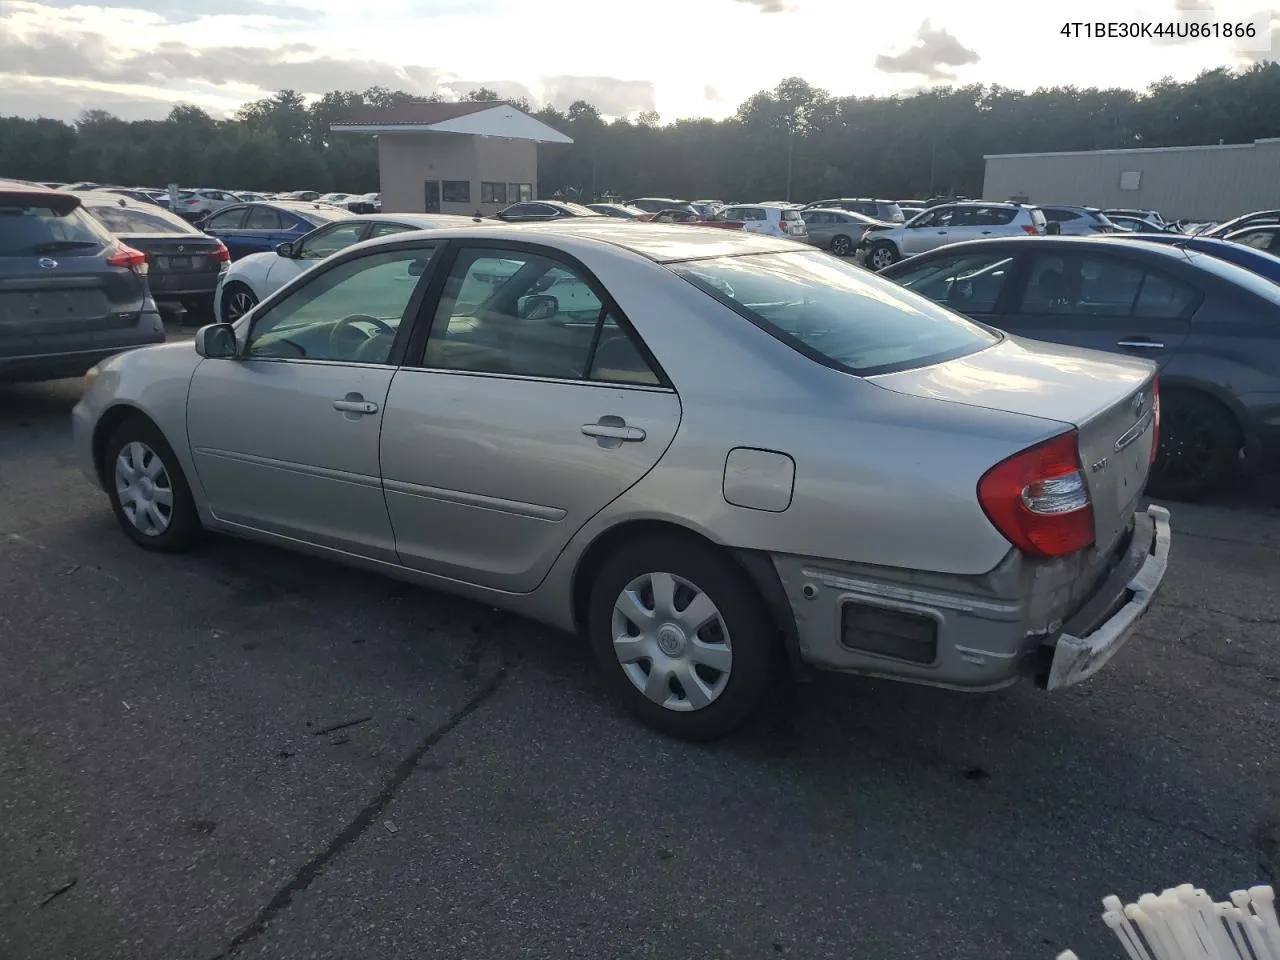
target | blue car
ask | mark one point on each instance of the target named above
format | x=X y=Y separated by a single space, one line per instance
x=248 y=228
x=1263 y=264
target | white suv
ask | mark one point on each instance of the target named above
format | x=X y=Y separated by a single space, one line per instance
x=768 y=219
x=949 y=223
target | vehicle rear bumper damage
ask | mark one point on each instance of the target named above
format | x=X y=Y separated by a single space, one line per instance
x=976 y=633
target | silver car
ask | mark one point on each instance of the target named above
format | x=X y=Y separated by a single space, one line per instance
x=724 y=458
x=839 y=231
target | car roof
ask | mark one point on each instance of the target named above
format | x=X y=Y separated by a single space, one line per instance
x=659 y=242
x=36 y=189
x=427 y=221
x=1059 y=243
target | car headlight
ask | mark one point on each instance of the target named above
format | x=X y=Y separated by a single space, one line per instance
x=91 y=375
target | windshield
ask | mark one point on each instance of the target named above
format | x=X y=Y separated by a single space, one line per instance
x=835 y=312
x=30 y=229
x=578 y=210
x=132 y=220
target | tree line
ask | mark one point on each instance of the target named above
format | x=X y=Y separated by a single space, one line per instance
x=794 y=139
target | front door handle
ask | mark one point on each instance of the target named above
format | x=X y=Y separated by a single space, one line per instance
x=1140 y=344
x=609 y=431
x=351 y=404
x=942 y=233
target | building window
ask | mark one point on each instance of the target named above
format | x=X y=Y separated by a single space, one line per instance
x=1131 y=180
x=526 y=190
x=493 y=193
x=457 y=191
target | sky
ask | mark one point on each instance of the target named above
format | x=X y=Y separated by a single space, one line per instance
x=682 y=58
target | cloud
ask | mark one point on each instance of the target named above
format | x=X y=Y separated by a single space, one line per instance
x=770 y=6
x=929 y=55
x=505 y=89
x=1271 y=22
x=611 y=96
x=298 y=66
x=59 y=101
x=1184 y=11
x=187 y=11
x=712 y=95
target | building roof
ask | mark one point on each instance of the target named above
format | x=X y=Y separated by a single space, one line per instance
x=1136 y=151
x=483 y=118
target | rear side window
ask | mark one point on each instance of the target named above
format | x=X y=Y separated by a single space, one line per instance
x=132 y=220
x=30 y=229
x=262 y=218
x=836 y=313
x=1103 y=287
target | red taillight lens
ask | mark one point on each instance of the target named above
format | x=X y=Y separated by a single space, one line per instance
x=1039 y=498
x=221 y=254
x=1031 y=229
x=1155 y=420
x=123 y=256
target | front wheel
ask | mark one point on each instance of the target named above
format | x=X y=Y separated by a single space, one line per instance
x=882 y=255
x=237 y=300
x=841 y=246
x=1199 y=447
x=681 y=637
x=147 y=489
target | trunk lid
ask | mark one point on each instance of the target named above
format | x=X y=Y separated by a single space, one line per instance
x=190 y=253
x=1108 y=398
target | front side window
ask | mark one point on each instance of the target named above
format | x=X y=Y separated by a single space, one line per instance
x=837 y=313
x=456 y=191
x=526 y=314
x=350 y=313
x=326 y=242
x=970 y=284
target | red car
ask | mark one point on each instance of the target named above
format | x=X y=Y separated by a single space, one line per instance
x=685 y=216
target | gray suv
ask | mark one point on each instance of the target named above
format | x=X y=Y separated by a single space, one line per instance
x=1077 y=221
x=71 y=294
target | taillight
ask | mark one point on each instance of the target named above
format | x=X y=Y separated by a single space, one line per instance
x=1039 y=498
x=1155 y=419
x=221 y=254
x=123 y=256
x=1031 y=228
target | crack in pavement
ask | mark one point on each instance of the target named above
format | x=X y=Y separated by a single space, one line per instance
x=1267 y=621
x=1232 y=540
x=309 y=871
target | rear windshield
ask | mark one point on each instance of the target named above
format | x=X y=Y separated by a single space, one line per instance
x=889 y=212
x=836 y=312
x=133 y=220
x=28 y=229
x=791 y=215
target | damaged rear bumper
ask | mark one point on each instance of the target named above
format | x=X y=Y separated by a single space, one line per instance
x=1092 y=637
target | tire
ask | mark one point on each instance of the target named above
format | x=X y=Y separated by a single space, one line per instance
x=881 y=255
x=841 y=246
x=740 y=638
x=1199 y=447
x=236 y=300
x=167 y=528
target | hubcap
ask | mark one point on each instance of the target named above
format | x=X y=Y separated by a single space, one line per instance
x=671 y=641
x=144 y=489
x=881 y=258
x=840 y=247
x=240 y=304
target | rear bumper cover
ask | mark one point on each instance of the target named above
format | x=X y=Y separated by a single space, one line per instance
x=1092 y=636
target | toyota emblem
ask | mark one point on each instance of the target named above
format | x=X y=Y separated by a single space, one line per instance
x=48 y=263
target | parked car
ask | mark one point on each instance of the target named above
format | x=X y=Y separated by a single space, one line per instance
x=184 y=265
x=337 y=199
x=1259 y=218
x=770 y=220
x=946 y=224
x=257 y=227
x=909 y=210
x=658 y=204
x=310 y=196
x=365 y=203
x=620 y=211
x=1135 y=224
x=694 y=518
x=1076 y=221
x=1244 y=255
x=79 y=185
x=1264 y=238
x=249 y=196
x=198 y=204
x=1213 y=327
x=708 y=208
x=1133 y=213
x=70 y=293
x=839 y=231
x=255 y=277
x=884 y=211
x=543 y=210
x=696 y=220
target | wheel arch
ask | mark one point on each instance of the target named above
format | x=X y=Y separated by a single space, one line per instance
x=754 y=565
x=1173 y=384
x=107 y=424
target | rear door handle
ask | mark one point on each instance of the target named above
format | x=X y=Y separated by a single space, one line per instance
x=1140 y=344
x=355 y=406
x=607 y=431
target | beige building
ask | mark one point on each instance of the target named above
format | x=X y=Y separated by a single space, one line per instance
x=1198 y=183
x=454 y=157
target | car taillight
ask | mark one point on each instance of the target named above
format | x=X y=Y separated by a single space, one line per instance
x=1039 y=498
x=123 y=256
x=1032 y=229
x=193 y=200
x=1155 y=419
x=221 y=254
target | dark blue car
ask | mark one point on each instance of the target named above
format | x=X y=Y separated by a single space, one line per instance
x=1251 y=258
x=248 y=228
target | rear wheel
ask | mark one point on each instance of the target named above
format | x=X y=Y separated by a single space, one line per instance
x=147 y=489
x=1199 y=446
x=681 y=637
x=841 y=246
x=237 y=300
x=882 y=254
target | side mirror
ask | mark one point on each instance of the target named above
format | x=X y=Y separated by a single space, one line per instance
x=285 y=250
x=539 y=307
x=217 y=341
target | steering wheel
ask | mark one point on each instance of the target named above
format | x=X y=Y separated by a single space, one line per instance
x=340 y=330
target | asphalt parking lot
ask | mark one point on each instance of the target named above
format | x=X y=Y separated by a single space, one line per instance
x=245 y=752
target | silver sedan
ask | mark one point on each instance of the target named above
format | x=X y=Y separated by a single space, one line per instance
x=724 y=459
